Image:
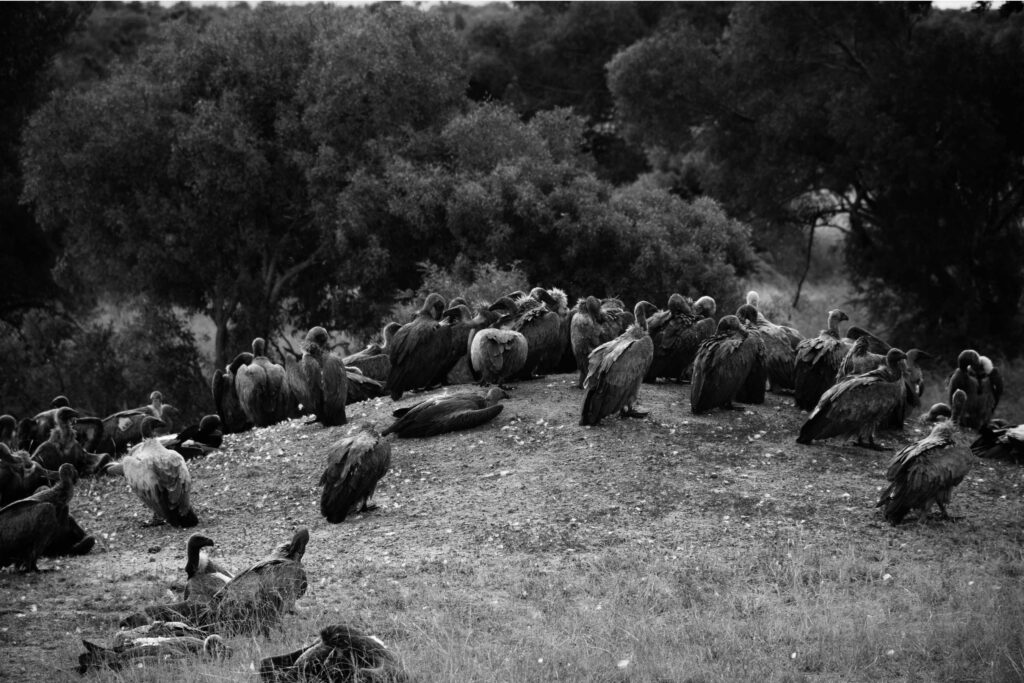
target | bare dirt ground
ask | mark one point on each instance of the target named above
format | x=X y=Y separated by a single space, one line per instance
x=532 y=488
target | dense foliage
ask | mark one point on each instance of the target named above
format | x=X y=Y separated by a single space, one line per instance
x=281 y=166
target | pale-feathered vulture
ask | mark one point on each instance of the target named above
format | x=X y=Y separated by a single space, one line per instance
x=676 y=336
x=447 y=413
x=160 y=478
x=373 y=360
x=354 y=466
x=817 y=362
x=925 y=472
x=225 y=396
x=205 y=576
x=262 y=388
x=723 y=365
x=779 y=347
x=341 y=654
x=318 y=382
x=29 y=525
x=255 y=599
x=999 y=440
x=531 y=316
x=197 y=439
x=496 y=355
x=856 y=405
x=139 y=651
x=417 y=349
x=592 y=324
x=616 y=369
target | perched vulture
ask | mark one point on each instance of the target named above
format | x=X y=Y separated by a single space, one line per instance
x=255 y=599
x=754 y=386
x=262 y=388
x=858 y=404
x=123 y=430
x=63 y=447
x=531 y=316
x=204 y=575
x=69 y=538
x=867 y=353
x=447 y=413
x=779 y=349
x=160 y=478
x=354 y=466
x=164 y=412
x=926 y=472
x=318 y=382
x=817 y=362
x=373 y=361
x=999 y=440
x=616 y=369
x=29 y=525
x=225 y=396
x=675 y=338
x=20 y=476
x=455 y=328
x=982 y=384
x=417 y=349
x=566 y=361
x=496 y=355
x=723 y=366
x=341 y=654
x=592 y=325
x=197 y=440
x=792 y=334
x=35 y=430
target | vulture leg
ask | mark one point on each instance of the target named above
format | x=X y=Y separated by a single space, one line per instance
x=157 y=520
x=630 y=411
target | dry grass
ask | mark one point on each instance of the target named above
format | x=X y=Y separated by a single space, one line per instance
x=681 y=547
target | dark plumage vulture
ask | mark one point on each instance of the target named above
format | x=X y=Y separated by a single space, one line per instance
x=62 y=445
x=225 y=396
x=755 y=385
x=9 y=431
x=318 y=381
x=20 y=476
x=456 y=327
x=197 y=440
x=779 y=347
x=791 y=334
x=592 y=325
x=817 y=362
x=29 y=525
x=69 y=538
x=262 y=388
x=858 y=404
x=938 y=411
x=373 y=361
x=204 y=575
x=926 y=472
x=676 y=337
x=256 y=598
x=867 y=353
x=123 y=430
x=447 y=413
x=565 y=361
x=723 y=365
x=35 y=430
x=999 y=440
x=616 y=370
x=165 y=412
x=160 y=478
x=359 y=387
x=417 y=349
x=151 y=649
x=982 y=384
x=496 y=355
x=341 y=654
x=354 y=466
x=531 y=316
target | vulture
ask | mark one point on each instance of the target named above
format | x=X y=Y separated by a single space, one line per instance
x=35 y=430
x=676 y=336
x=123 y=430
x=447 y=413
x=148 y=646
x=982 y=384
x=69 y=538
x=359 y=387
x=262 y=388
x=616 y=369
x=753 y=388
x=342 y=653
x=779 y=346
x=926 y=472
x=29 y=525
x=225 y=396
x=592 y=325
x=456 y=327
x=197 y=440
x=857 y=404
x=9 y=431
x=817 y=362
x=62 y=446
x=20 y=476
x=354 y=466
x=999 y=440
x=417 y=349
x=373 y=361
x=938 y=411
x=496 y=355
x=165 y=412
x=723 y=364
x=531 y=316
x=204 y=575
x=255 y=599
x=160 y=478
x=566 y=361
x=867 y=352
x=318 y=381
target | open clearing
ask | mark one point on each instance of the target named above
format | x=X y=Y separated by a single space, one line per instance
x=674 y=548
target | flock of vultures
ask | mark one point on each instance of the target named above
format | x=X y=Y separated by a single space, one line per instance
x=852 y=383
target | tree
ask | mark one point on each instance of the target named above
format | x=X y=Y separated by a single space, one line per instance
x=900 y=116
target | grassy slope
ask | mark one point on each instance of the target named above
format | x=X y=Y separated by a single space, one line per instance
x=674 y=548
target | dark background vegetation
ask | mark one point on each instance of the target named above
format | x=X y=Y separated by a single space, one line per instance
x=274 y=167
